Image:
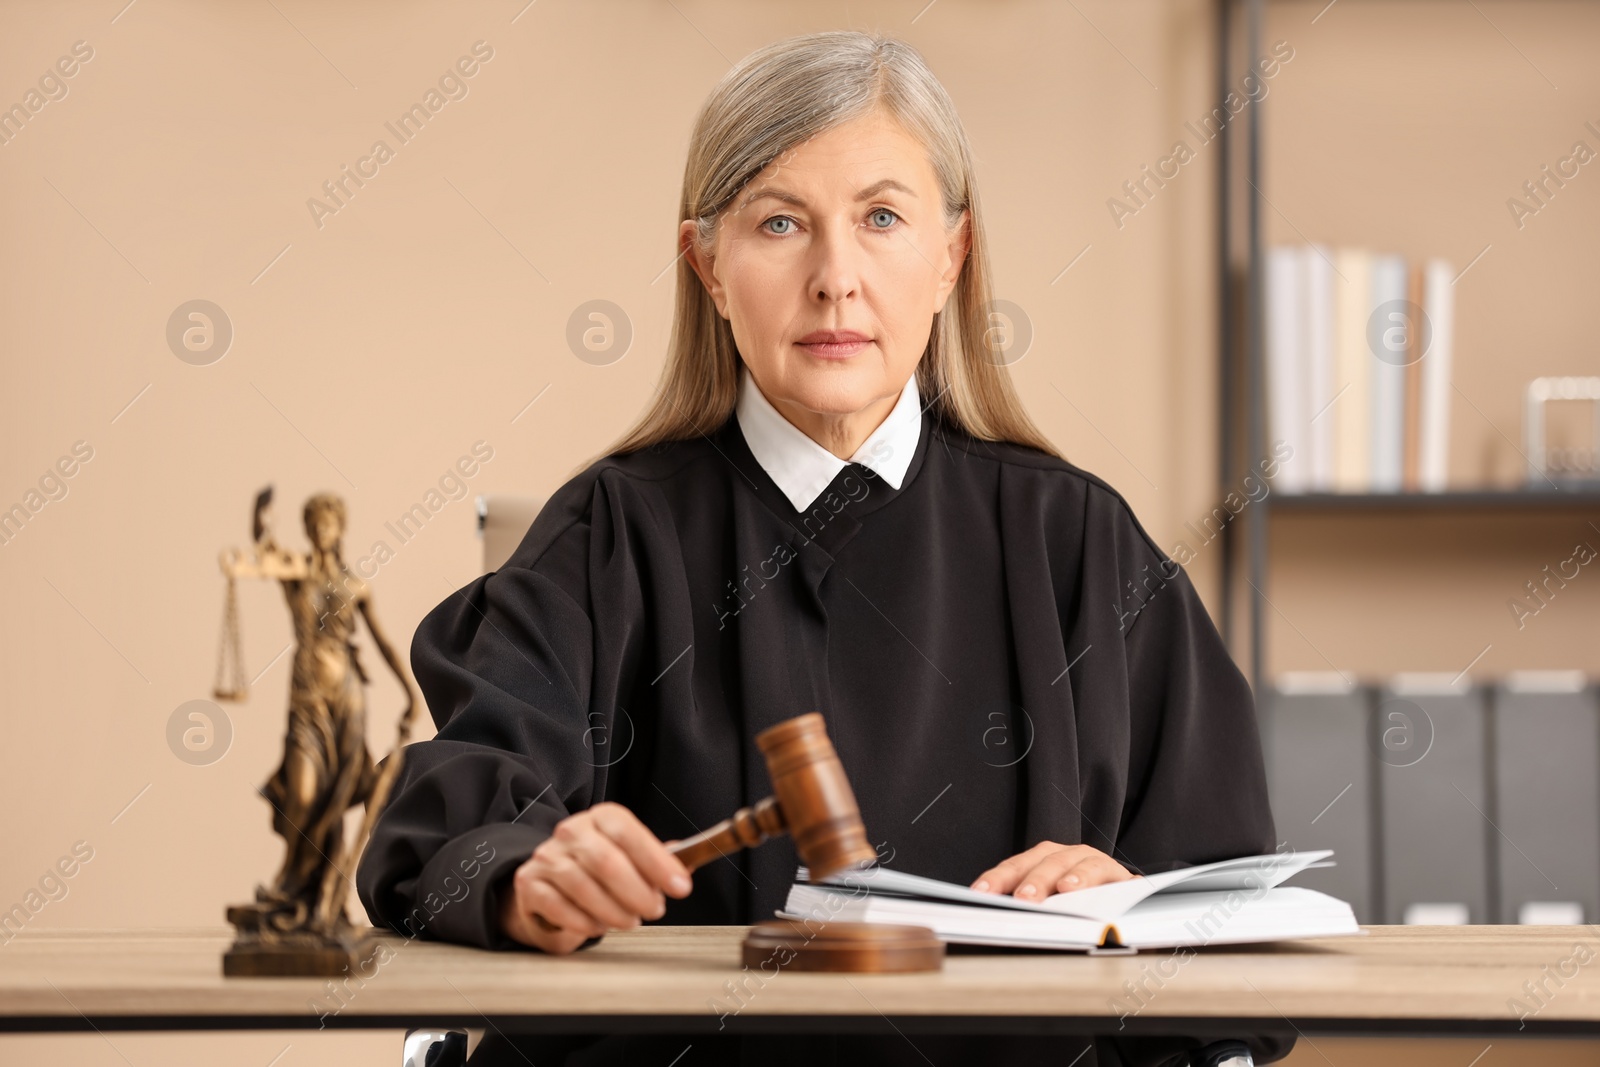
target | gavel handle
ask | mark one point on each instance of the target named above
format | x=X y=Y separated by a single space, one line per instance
x=743 y=829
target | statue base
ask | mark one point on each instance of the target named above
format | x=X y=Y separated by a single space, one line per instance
x=262 y=949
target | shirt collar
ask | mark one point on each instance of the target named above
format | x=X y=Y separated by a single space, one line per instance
x=801 y=467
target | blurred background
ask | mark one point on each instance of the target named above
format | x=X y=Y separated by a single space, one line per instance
x=198 y=300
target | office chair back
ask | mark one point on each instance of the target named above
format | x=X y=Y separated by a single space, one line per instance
x=503 y=519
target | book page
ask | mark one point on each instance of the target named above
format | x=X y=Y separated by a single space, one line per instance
x=1101 y=902
x=1247 y=873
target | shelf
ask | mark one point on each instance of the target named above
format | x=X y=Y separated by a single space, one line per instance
x=1372 y=577
x=1470 y=499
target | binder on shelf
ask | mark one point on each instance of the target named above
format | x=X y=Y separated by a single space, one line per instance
x=1547 y=782
x=1431 y=748
x=1319 y=780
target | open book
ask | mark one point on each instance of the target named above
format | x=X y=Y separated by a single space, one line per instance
x=1229 y=902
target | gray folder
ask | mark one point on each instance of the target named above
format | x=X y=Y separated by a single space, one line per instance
x=1431 y=753
x=1319 y=778
x=1547 y=781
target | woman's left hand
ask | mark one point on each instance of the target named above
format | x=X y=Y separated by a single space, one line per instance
x=1048 y=868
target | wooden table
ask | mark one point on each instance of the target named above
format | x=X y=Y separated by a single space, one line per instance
x=1415 y=980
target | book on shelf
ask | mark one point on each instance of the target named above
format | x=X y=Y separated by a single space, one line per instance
x=1386 y=334
x=1438 y=299
x=1235 y=901
x=1282 y=317
x=1411 y=428
x=1358 y=350
x=1352 y=423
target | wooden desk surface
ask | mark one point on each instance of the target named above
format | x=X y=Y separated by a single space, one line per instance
x=1435 y=980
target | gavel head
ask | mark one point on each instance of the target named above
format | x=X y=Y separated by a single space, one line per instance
x=814 y=796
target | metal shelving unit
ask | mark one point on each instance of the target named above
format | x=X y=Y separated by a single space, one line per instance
x=1242 y=372
x=1240 y=388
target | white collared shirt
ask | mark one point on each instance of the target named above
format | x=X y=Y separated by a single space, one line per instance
x=801 y=467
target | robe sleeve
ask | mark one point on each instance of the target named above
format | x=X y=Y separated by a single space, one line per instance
x=505 y=665
x=1197 y=784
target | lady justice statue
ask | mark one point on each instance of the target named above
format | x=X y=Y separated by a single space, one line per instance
x=298 y=925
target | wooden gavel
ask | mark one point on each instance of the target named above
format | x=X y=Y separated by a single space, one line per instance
x=812 y=802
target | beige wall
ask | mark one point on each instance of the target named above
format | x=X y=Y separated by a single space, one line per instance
x=373 y=350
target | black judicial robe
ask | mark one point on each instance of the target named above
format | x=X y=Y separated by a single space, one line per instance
x=1002 y=654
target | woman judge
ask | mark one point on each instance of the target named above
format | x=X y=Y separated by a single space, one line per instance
x=835 y=503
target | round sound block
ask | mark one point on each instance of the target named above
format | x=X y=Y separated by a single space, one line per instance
x=878 y=948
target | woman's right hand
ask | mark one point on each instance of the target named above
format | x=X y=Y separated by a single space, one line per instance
x=601 y=869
